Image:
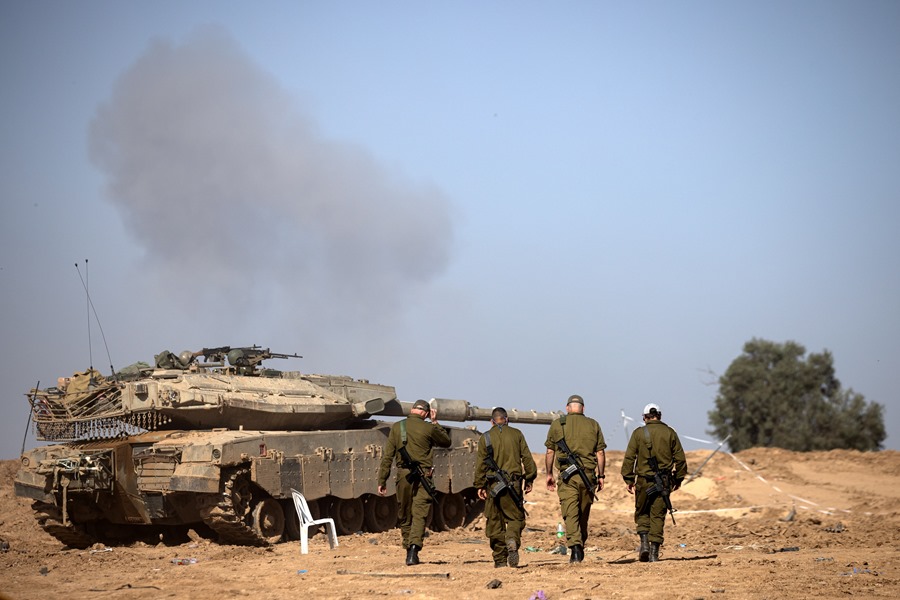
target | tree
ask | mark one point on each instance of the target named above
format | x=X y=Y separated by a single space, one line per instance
x=774 y=395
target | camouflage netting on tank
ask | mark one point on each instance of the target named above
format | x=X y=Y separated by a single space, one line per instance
x=87 y=406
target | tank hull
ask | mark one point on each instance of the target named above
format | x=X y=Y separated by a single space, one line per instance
x=233 y=484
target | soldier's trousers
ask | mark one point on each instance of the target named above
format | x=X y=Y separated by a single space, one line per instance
x=649 y=511
x=575 y=505
x=414 y=504
x=505 y=520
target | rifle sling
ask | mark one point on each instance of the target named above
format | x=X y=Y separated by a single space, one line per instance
x=489 y=459
x=417 y=473
x=664 y=477
x=653 y=461
x=573 y=458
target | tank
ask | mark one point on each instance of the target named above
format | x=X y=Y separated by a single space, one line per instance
x=216 y=445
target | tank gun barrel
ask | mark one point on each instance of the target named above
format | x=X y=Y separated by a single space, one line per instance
x=461 y=410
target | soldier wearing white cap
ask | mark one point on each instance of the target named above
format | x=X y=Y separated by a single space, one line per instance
x=654 y=440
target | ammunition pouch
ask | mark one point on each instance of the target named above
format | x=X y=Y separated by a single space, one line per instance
x=568 y=472
x=413 y=475
x=667 y=480
x=498 y=488
x=499 y=485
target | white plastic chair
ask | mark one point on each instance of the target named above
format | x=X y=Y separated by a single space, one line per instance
x=307 y=521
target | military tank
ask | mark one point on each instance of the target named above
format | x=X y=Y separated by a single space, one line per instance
x=216 y=445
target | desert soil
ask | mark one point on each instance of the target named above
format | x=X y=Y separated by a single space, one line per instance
x=763 y=523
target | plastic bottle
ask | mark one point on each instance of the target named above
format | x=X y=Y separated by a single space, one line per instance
x=560 y=537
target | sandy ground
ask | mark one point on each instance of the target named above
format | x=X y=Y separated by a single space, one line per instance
x=759 y=524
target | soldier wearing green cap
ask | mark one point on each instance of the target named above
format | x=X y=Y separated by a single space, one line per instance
x=419 y=438
x=505 y=518
x=658 y=440
x=584 y=439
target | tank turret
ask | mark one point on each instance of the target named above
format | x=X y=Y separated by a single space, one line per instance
x=219 y=443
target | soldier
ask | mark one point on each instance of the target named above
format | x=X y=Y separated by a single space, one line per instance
x=659 y=441
x=504 y=448
x=419 y=438
x=584 y=439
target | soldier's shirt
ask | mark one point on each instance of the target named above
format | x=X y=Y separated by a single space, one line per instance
x=510 y=452
x=666 y=447
x=421 y=438
x=583 y=436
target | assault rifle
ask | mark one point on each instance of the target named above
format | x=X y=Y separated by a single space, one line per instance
x=661 y=486
x=574 y=467
x=502 y=479
x=416 y=473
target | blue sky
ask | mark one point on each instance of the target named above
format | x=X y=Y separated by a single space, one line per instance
x=506 y=202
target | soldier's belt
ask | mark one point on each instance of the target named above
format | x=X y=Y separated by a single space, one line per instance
x=512 y=476
x=429 y=471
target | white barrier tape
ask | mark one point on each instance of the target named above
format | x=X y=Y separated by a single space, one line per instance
x=693 y=439
x=828 y=511
x=718 y=510
x=708 y=510
x=799 y=499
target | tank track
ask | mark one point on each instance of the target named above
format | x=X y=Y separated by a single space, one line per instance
x=49 y=517
x=227 y=516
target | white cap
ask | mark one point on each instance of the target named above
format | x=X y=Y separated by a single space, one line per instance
x=650 y=407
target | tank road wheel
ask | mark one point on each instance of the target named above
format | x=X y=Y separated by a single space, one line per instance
x=380 y=513
x=316 y=507
x=474 y=505
x=348 y=515
x=449 y=512
x=238 y=488
x=291 y=521
x=230 y=516
x=268 y=520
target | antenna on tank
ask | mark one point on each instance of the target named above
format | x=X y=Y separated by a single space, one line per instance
x=30 y=413
x=85 y=282
x=99 y=326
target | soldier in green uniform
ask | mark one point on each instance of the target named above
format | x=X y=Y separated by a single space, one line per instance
x=583 y=437
x=505 y=518
x=419 y=438
x=654 y=439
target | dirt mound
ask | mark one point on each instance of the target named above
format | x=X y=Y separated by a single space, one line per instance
x=760 y=523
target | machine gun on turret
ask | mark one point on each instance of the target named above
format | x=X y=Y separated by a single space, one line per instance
x=244 y=359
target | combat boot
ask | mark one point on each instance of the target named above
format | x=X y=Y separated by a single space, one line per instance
x=577 y=554
x=513 y=553
x=412 y=555
x=644 y=552
x=654 y=551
